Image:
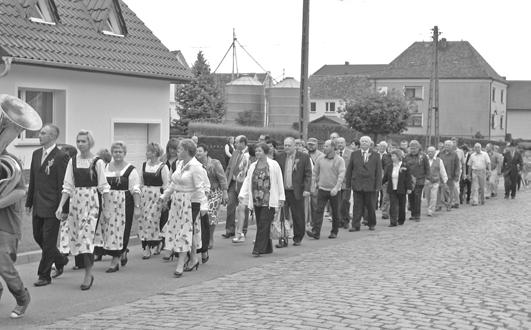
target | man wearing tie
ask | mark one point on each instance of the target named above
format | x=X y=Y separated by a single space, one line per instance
x=297 y=173
x=235 y=172
x=364 y=176
x=512 y=164
x=48 y=166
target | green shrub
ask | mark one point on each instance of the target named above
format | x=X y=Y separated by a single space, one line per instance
x=252 y=133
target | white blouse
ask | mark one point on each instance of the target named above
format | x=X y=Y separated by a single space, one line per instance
x=394 y=175
x=68 y=182
x=192 y=178
x=133 y=180
x=164 y=172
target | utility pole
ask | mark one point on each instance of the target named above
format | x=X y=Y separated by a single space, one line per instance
x=303 y=115
x=433 y=97
x=234 y=59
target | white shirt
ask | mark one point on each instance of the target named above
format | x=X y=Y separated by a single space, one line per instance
x=479 y=161
x=191 y=178
x=68 y=182
x=394 y=175
x=133 y=180
x=46 y=152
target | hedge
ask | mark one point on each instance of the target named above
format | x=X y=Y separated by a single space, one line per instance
x=252 y=133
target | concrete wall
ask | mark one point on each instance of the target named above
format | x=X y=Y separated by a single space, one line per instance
x=93 y=101
x=464 y=106
x=519 y=123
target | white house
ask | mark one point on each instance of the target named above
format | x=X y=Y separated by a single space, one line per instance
x=88 y=64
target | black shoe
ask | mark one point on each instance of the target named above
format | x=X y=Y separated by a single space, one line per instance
x=86 y=287
x=385 y=217
x=400 y=223
x=392 y=225
x=177 y=274
x=312 y=235
x=123 y=259
x=256 y=254
x=371 y=228
x=228 y=235
x=205 y=259
x=113 y=269
x=58 y=272
x=354 y=229
x=296 y=243
x=42 y=282
x=332 y=235
x=189 y=269
x=365 y=223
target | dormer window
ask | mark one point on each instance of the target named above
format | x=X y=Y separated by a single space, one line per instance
x=114 y=25
x=43 y=12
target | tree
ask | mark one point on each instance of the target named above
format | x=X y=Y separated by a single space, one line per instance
x=201 y=98
x=377 y=114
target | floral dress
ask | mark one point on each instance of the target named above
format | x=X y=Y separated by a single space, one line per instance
x=155 y=179
x=84 y=181
x=113 y=233
x=261 y=185
x=180 y=228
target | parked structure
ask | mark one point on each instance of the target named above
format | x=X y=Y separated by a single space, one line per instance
x=519 y=109
x=472 y=96
x=88 y=65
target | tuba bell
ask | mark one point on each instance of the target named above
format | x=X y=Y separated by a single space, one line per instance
x=15 y=117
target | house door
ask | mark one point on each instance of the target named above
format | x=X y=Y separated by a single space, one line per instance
x=135 y=136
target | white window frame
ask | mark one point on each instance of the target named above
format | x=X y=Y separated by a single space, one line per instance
x=421 y=119
x=112 y=24
x=45 y=12
x=314 y=104
x=415 y=88
x=383 y=90
x=327 y=107
x=22 y=90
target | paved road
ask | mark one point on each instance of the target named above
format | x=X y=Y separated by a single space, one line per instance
x=465 y=269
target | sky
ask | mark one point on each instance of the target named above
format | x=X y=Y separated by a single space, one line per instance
x=357 y=31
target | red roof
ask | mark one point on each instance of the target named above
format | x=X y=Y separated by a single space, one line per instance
x=76 y=41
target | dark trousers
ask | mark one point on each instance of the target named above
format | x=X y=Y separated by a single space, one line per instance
x=364 y=201
x=415 y=200
x=344 y=207
x=264 y=217
x=465 y=187
x=205 y=233
x=510 y=183
x=45 y=232
x=297 y=215
x=397 y=208
x=324 y=197
x=8 y=256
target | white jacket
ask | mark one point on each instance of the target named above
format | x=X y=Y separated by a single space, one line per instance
x=276 y=191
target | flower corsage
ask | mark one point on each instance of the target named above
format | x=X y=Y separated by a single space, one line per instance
x=48 y=166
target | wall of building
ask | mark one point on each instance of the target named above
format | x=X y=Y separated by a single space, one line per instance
x=498 y=114
x=518 y=123
x=464 y=106
x=93 y=101
x=320 y=107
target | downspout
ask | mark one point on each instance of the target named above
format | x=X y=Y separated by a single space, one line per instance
x=490 y=109
x=7 y=61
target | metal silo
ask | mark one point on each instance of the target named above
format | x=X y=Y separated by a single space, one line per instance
x=244 y=94
x=283 y=103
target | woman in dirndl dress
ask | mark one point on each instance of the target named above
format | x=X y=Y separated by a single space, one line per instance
x=113 y=232
x=218 y=195
x=188 y=187
x=170 y=159
x=155 y=178
x=83 y=183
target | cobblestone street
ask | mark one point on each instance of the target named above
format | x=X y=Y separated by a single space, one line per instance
x=464 y=269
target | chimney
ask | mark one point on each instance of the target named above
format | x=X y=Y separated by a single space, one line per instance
x=443 y=43
x=347 y=63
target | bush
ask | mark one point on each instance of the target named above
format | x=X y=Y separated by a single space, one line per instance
x=396 y=138
x=252 y=133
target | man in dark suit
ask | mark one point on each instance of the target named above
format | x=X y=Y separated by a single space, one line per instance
x=297 y=173
x=48 y=166
x=344 y=199
x=511 y=166
x=364 y=176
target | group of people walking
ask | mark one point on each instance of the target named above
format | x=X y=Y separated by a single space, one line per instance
x=88 y=201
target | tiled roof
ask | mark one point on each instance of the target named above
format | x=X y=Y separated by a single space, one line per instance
x=331 y=119
x=519 y=95
x=338 y=87
x=457 y=60
x=75 y=42
x=348 y=69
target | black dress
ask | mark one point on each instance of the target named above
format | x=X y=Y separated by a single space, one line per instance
x=149 y=224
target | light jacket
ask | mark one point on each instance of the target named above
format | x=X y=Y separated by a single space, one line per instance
x=276 y=191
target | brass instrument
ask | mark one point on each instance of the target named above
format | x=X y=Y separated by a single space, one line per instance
x=15 y=117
